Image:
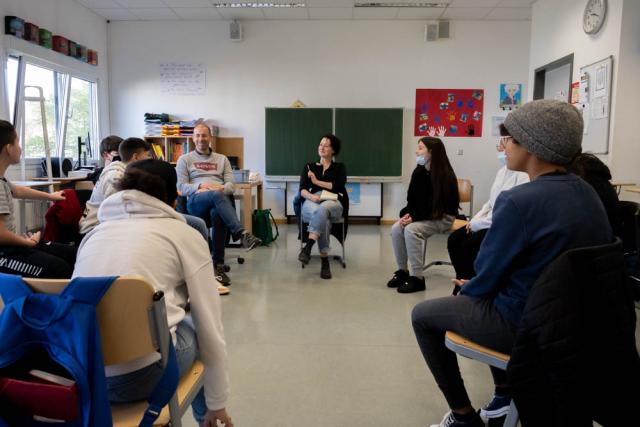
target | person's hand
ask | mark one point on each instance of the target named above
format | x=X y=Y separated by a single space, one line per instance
x=406 y=220
x=431 y=131
x=212 y=417
x=315 y=198
x=210 y=186
x=312 y=177
x=57 y=196
x=441 y=131
x=468 y=228
x=459 y=282
x=34 y=238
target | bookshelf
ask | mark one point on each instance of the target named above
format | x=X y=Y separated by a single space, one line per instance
x=172 y=147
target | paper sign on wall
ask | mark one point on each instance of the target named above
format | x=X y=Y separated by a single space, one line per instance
x=182 y=78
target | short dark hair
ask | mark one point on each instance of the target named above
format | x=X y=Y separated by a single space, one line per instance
x=154 y=177
x=8 y=134
x=335 y=143
x=131 y=146
x=109 y=144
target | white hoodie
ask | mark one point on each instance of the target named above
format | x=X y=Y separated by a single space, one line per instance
x=140 y=235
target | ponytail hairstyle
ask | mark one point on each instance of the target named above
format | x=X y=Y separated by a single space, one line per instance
x=153 y=177
x=8 y=134
x=443 y=179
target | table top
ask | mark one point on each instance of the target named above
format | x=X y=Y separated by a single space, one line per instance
x=63 y=179
x=617 y=183
x=33 y=183
x=635 y=189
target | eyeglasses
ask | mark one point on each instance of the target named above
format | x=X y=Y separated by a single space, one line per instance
x=502 y=142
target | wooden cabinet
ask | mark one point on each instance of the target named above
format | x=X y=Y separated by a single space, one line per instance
x=172 y=147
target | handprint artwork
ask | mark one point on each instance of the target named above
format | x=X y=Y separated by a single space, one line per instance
x=449 y=112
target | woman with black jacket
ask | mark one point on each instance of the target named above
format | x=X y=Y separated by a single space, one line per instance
x=432 y=204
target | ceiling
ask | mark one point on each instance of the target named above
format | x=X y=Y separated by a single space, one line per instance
x=176 y=10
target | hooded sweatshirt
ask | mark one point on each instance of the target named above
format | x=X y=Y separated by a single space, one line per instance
x=141 y=235
x=103 y=189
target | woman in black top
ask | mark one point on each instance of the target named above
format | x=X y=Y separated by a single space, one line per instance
x=325 y=177
x=432 y=204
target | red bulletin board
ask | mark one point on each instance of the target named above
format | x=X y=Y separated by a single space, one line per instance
x=449 y=112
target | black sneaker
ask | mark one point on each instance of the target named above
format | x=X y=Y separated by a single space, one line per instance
x=498 y=407
x=413 y=284
x=399 y=277
x=305 y=255
x=325 y=268
x=249 y=241
x=450 y=420
x=221 y=276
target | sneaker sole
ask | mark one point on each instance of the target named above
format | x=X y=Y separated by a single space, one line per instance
x=252 y=246
x=223 y=291
x=496 y=413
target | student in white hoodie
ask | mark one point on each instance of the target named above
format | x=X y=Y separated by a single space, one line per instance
x=141 y=234
x=464 y=243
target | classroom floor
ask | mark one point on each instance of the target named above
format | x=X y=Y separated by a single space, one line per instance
x=309 y=352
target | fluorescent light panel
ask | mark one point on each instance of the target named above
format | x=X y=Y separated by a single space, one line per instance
x=259 y=5
x=386 y=4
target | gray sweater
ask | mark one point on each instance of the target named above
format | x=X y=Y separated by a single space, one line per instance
x=194 y=169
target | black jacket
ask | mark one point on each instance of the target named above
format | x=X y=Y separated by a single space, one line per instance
x=597 y=174
x=574 y=356
x=420 y=197
x=336 y=174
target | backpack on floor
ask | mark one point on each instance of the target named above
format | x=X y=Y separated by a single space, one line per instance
x=261 y=221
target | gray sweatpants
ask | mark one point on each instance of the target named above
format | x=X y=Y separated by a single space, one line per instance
x=409 y=242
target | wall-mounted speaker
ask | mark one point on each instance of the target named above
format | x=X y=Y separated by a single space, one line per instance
x=435 y=31
x=431 y=32
x=443 y=29
x=235 y=31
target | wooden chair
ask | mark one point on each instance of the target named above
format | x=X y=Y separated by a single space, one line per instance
x=133 y=323
x=465 y=193
x=470 y=349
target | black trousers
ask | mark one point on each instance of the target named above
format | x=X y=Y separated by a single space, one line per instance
x=46 y=260
x=463 y=249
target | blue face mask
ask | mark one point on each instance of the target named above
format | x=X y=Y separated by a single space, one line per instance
x=421 y=160
x=502 y=158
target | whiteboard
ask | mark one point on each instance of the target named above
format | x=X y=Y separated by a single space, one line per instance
x=595 y=103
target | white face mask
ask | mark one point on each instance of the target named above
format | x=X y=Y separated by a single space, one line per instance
x=502 y=158
x=421 y=160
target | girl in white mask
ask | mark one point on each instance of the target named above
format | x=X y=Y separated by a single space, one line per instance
x=464 y=243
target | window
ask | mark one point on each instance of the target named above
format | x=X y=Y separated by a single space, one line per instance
x=70 y=106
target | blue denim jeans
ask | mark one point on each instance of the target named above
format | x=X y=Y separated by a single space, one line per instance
x=215 y=207
x=139 y=384
x=320 y=216
x=198 y=224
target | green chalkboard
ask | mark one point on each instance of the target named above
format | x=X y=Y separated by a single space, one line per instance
x=292 y=136
x=371 y=139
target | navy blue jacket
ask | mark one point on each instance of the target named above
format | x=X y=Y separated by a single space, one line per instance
x=532 y=225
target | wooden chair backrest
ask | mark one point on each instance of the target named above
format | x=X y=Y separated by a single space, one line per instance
x=464 y=190
x=123 y=316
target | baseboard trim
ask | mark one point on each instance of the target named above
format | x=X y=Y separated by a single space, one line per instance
x=387 y=221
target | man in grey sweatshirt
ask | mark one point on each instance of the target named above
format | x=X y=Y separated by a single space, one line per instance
x=206 y=179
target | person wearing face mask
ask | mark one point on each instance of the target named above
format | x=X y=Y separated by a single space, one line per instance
x=464 y=244
x=432 y=204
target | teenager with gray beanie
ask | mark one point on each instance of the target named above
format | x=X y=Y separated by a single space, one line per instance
x=532 y=224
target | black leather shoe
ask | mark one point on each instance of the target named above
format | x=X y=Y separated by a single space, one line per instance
x=413 y=284
x=399 y=277
x=305 y=255
x=325 y=269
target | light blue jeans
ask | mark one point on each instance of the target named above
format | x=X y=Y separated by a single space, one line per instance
x=320 y=216
x=198 y=224
x=139 y=384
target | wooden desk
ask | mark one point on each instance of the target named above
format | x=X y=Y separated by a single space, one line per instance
x=635 y=189
x=619 y=184
x=247 y=202
x=33 y=184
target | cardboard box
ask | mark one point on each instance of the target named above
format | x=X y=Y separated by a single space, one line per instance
x=46 y=39
x=82 y=53
x=73 y=49
x=61 y=44
x=93 y=56
x=14 y=26
x=32 y=33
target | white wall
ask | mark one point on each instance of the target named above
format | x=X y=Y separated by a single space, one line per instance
x=74 y=21
x=324 y=64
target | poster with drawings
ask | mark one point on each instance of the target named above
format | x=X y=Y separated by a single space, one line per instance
x=183 y=78
x=449 y=112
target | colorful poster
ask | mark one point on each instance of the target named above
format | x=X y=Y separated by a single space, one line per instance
x=510 y=95
x=353 y=190
x=449 y=112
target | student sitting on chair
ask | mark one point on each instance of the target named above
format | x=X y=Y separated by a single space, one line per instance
x=27 y=255
x=109 y=153
x=464 y=243
x=329 y=177
x=140 y=233
x=432 y=204
x=206 y=179
x=534 y=224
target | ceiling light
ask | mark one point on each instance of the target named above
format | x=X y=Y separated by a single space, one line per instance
x=405 y=4
x=258 y=5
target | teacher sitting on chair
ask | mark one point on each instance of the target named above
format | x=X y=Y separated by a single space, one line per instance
x=320 y=182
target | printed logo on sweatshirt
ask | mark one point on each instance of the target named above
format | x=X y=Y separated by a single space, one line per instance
x=206 y=166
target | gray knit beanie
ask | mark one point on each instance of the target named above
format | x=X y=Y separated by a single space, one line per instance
x=550 y=129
